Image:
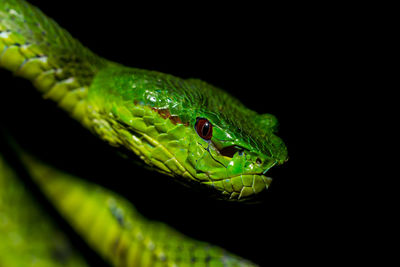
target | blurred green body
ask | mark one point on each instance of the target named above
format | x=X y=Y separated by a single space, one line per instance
x=112 y=226
x=149 y=114
x=28 y=237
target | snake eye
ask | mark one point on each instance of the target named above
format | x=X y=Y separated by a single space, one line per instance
x=203 y=128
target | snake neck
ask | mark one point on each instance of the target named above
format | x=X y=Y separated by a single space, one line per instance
x=36 y=48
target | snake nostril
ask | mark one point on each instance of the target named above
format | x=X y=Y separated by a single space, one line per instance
x=258 y=161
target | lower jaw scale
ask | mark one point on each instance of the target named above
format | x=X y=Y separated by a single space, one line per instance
x=242 y=187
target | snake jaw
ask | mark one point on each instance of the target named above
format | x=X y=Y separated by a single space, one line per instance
x=241 y=187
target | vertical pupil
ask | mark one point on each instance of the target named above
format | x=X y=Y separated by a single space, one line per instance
x=206 y=128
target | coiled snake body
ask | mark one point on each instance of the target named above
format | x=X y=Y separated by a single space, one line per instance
x=185 y=128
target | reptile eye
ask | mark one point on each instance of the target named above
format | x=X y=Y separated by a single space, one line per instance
x=203 y=128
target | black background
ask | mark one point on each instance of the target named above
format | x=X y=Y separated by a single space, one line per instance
x=277 y=61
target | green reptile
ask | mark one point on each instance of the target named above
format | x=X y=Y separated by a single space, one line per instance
x=188 y=129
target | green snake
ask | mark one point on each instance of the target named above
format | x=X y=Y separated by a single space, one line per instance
x=197 y=134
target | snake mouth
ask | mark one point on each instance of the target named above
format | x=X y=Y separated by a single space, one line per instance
x=241 y=187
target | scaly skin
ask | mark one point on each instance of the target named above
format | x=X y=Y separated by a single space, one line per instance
x=119 y=233
x=148 y=114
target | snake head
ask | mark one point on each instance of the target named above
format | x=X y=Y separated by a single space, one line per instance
x=187 y=129
x=238 y=151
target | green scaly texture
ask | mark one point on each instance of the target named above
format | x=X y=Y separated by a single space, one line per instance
x=36 y=48
x=125 y=108
x=150 y=115
x=111 y=224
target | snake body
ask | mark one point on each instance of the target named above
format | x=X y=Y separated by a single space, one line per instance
x=185 y=128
